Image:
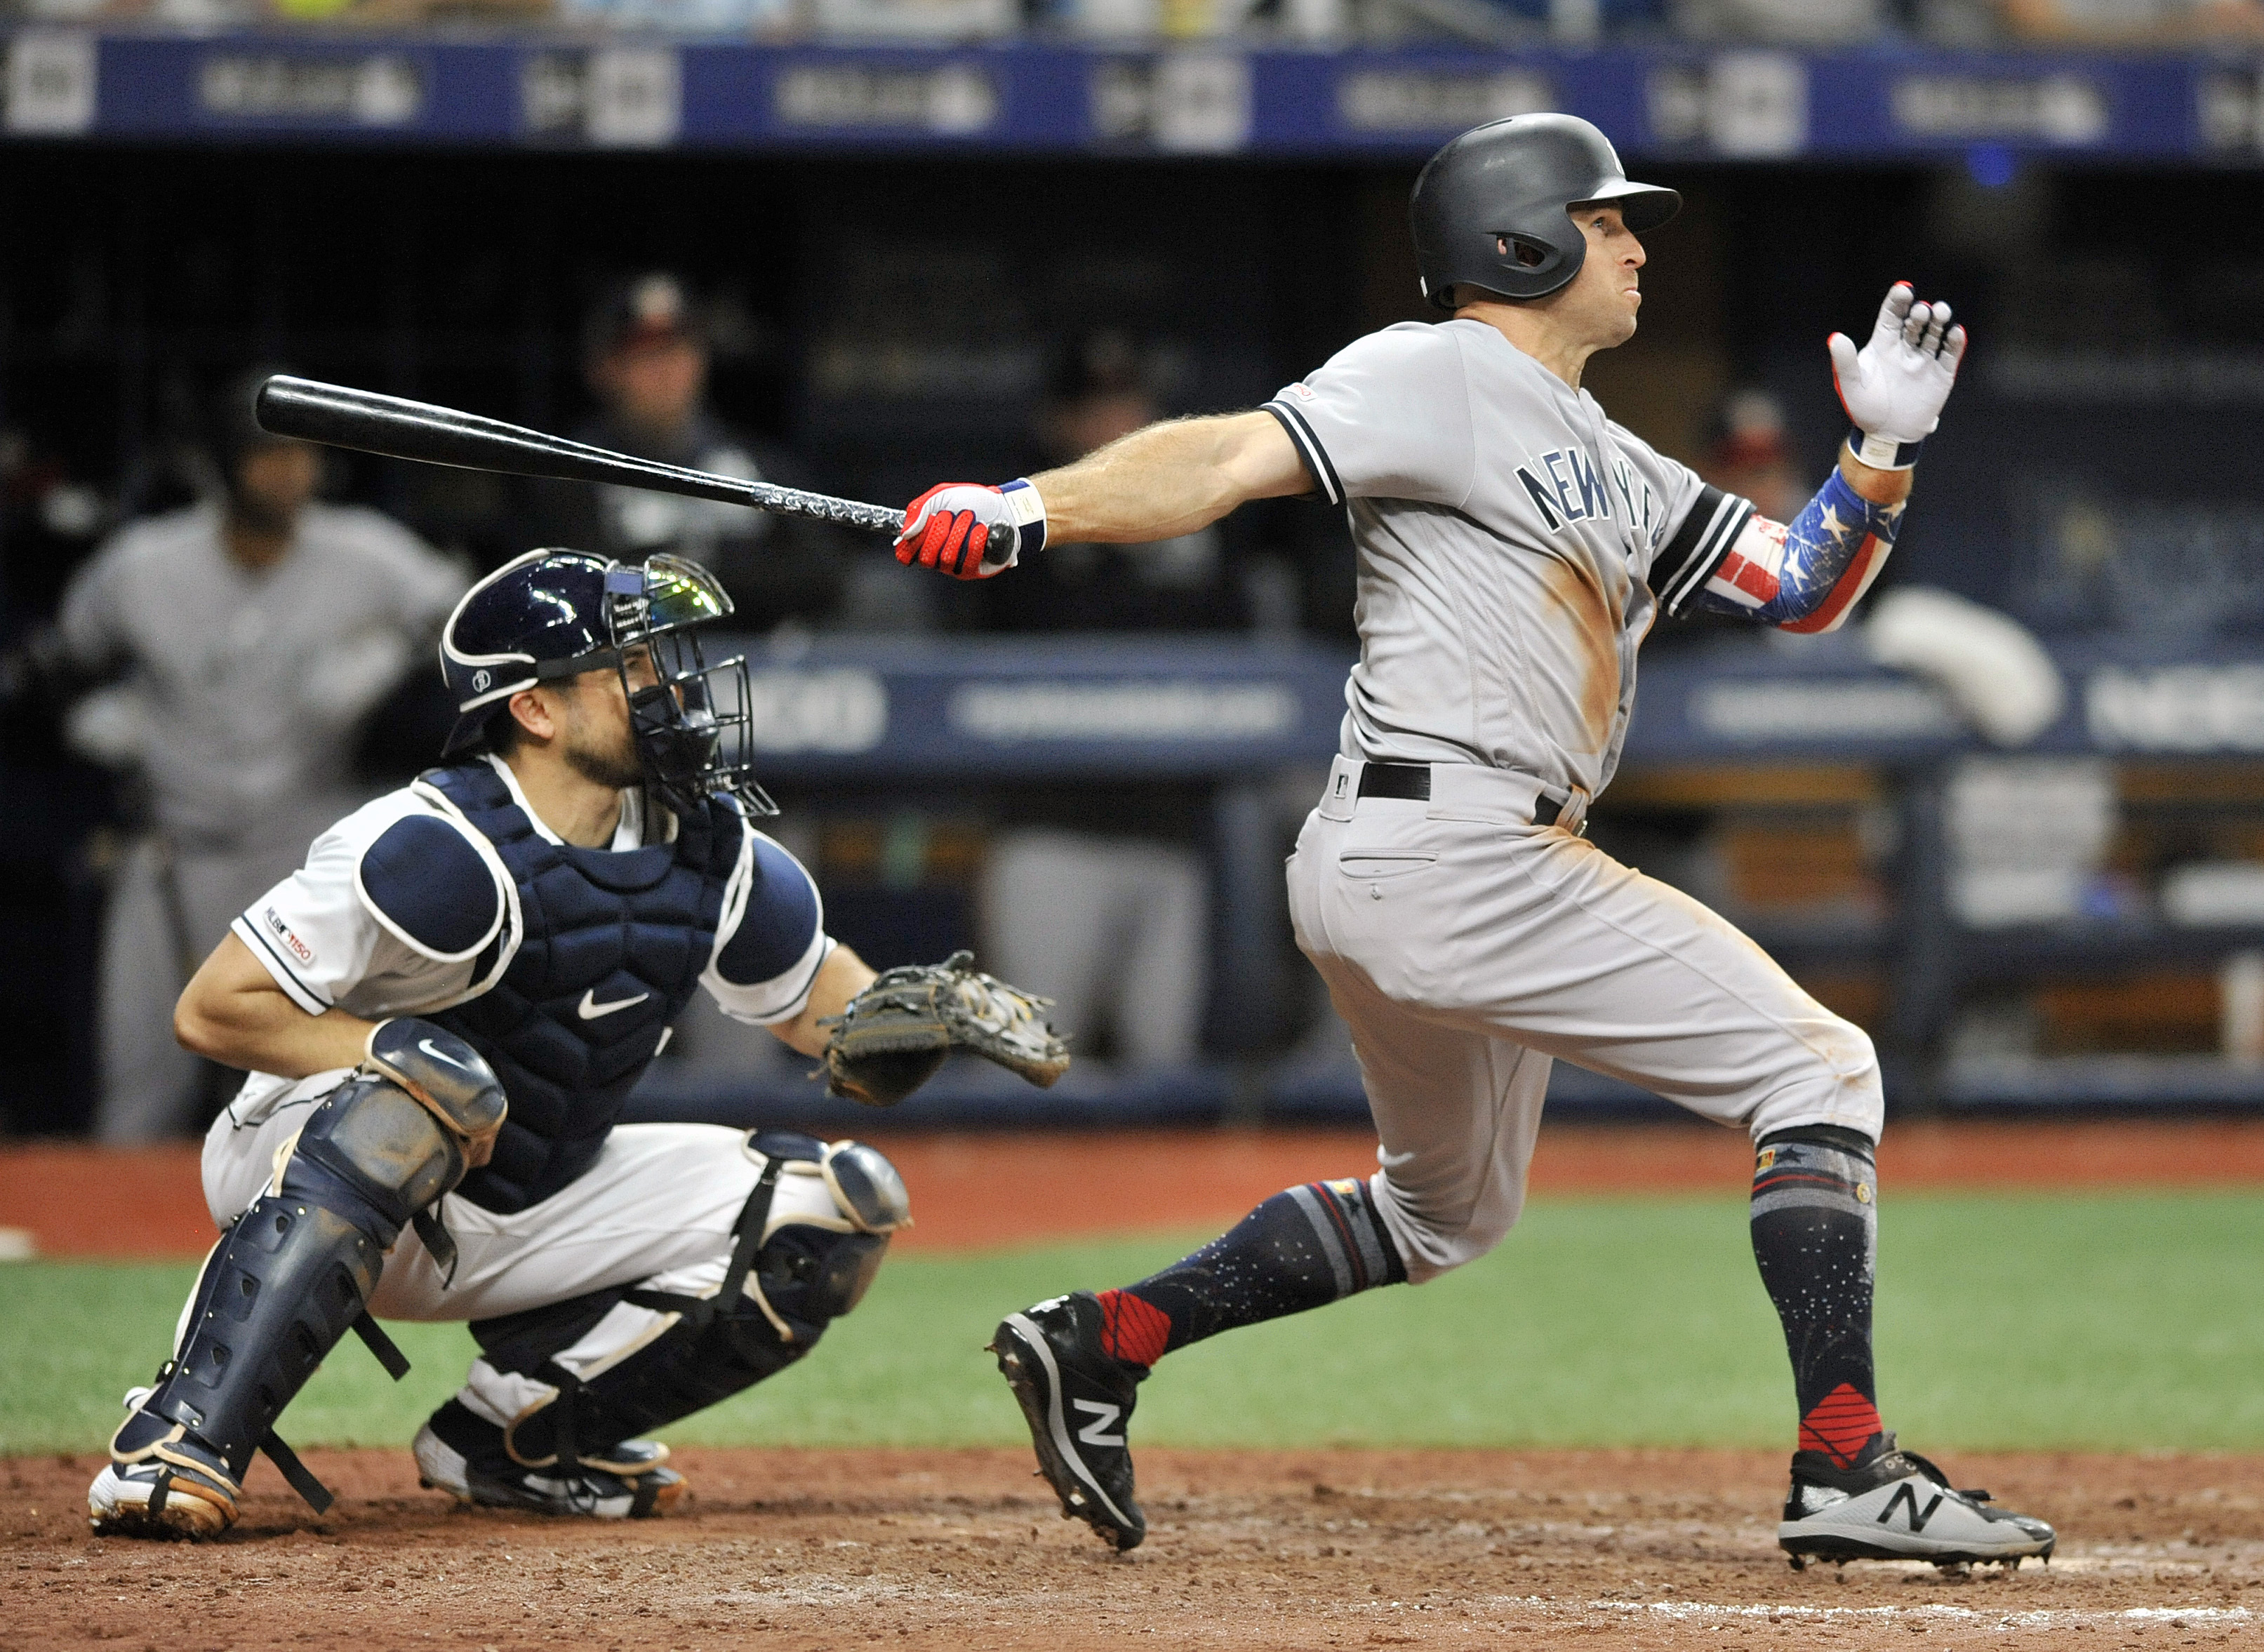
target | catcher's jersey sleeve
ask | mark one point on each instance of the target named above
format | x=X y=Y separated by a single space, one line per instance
x=771 y=941
x=1389 y=416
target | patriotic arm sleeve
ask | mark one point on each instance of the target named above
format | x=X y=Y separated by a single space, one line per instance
x=1807 y=576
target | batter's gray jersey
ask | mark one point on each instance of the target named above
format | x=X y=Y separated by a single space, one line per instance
x=248 y=681
x=1514 y=546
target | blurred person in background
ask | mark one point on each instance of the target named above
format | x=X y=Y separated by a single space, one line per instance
x=646 y=357
x=240 y=640
x=1751 y=455
x=1114 y=926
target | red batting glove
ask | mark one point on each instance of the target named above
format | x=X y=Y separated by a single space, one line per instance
x=969 y=531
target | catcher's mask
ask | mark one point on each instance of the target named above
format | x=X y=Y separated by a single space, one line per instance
x=552 y=614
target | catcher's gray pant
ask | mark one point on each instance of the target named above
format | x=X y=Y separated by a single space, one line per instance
x=1467 y=948
x=655 y=1209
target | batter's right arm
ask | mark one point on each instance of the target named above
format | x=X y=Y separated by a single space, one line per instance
x=1157 y=484
x=1171 y=479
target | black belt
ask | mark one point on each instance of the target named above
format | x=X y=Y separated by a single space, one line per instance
x=1412 y=782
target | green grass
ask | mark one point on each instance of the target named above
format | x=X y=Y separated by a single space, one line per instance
x=2121 y=1322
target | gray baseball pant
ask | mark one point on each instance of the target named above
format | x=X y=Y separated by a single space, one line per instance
x=1468 y=948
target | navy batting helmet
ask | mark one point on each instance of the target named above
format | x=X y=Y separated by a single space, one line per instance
x=1489 y=208
x=557 y=613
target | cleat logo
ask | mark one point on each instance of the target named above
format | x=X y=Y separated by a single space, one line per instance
x=1906 y=1499
x=1103 y=1416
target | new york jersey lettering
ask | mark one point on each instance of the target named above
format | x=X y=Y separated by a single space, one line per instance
x=1574 y=491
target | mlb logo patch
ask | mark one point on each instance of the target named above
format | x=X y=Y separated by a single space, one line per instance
x=298 y=949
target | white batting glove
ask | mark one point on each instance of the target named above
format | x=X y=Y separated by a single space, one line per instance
x=1894 y=387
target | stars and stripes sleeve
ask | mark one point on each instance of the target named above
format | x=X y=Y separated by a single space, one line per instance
x=1806 y=576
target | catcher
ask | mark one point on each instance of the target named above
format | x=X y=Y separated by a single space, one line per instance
x=443 y=1013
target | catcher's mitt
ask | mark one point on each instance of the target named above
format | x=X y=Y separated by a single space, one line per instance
x=893 y=1035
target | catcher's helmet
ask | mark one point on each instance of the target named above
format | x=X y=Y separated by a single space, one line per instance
x=1488 y=209
x=557 y=613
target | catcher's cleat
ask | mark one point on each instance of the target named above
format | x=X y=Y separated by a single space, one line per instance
x=161 y=1481
x=1078 y=1399
x=1899 y=1507
x=463 y=1455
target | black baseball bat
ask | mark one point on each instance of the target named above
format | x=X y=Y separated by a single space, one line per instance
x=340 y=416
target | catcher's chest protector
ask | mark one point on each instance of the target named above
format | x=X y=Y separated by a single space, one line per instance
x=613 y=945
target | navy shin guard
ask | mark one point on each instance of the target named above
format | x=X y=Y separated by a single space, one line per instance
x=291 y=1278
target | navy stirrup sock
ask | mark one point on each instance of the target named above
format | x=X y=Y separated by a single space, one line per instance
x=1815 y=1222
x=1301 y=1248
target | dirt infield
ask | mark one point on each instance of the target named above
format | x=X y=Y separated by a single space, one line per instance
x=1319 y=1549
x=977 y=1191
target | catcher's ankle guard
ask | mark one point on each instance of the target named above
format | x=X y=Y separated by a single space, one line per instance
x=290 y=1277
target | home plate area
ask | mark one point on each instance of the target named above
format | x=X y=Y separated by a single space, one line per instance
x=1304 y=1548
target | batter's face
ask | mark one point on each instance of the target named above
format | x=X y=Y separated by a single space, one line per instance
x=1598 y=306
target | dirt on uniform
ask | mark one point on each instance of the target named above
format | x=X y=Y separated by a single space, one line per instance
x=1311 y=1548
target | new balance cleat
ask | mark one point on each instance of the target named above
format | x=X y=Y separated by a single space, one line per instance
x=161 y=1481
x=1078 y=1399
x=1899 y=1507
x=463 y=1454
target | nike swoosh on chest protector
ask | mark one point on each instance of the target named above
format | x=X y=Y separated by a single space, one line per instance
x=590 y=1009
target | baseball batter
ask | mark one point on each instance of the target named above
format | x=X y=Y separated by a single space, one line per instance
x=443 y=1013
x=1515 y=547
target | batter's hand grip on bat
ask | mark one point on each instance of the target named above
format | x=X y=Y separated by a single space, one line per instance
x=340 y=416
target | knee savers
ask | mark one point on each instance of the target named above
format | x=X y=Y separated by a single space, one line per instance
x=826 y=1231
